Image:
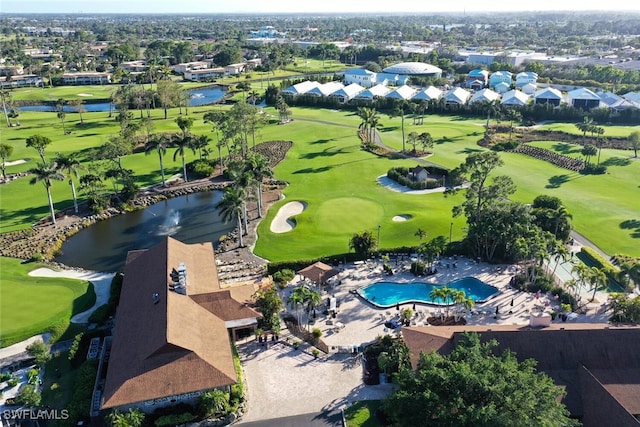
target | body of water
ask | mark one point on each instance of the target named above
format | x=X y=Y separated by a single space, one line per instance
x=201 y=96
x=103 y=246
x=388 y=294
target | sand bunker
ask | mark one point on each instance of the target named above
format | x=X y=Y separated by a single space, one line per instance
x=401 y=218
x=85 y=94
x=282 y=222
x=15 y=162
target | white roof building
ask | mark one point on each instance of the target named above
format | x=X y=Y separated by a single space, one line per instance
x=529 y=88
x=325 y=89
x=348 y=92
x=484 y=95
x=457 y=95
x=548 y=95
x=378 y=90
x=403 y=92
x=428 y=94
x=515 y=98
x=361 y=76
x=414 y=69
x=300 y=88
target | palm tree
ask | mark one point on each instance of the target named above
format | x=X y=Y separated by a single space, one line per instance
x=159 y=143
x=45 y=173
x=182 y=144
x=296 y=300
x=598 y=280
x=420 y=234
x=232 y=205
x=71 y=166
x=258 y=165
x=199 y=143
x=584 y=127
x=438 y=294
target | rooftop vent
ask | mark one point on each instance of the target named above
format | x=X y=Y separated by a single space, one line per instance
x=179 y=279
x=155 y=297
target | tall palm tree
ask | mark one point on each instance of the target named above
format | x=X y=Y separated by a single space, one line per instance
x=259 y=166
x=45 y=173
x=437 y=294
x=598 y=280
x=160 y=143
x=71 y=166
x=584 y=127
x=232 y=205
x=296 y=301
x=182 y=144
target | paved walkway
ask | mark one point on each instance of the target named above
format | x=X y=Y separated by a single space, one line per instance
x=283 y=382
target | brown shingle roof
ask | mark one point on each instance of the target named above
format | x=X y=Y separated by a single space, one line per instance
x=170 y=344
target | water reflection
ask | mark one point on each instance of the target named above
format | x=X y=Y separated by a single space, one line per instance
x=198 y=97
x=104 y=245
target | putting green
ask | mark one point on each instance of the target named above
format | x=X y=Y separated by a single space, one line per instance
x=346 y=214
x=31 y=305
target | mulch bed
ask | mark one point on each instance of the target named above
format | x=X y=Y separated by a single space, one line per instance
x=449 y=321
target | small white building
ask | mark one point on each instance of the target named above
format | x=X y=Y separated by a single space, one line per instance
x=375 y=91
x=86 y=78
x=361 y=76
x=484 y=95
x=204 y=75
x=347 y=93
x=190 y=66
x=515 y=98
x=403 y=92
x=548 y=95
x=457 y=95
x=325 y=89
x=300 y=88
x=431 y=93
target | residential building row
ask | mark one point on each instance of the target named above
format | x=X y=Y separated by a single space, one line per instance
x=581 y=98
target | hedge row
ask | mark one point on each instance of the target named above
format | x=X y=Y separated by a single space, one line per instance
x=299 y=264
x=594 y=259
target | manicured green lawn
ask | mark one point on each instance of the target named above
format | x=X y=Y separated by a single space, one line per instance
x=362 y=414
x=337 y=180
x=327 y=169
x=30 y=305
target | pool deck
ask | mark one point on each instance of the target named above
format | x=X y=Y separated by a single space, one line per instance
x=360 y=322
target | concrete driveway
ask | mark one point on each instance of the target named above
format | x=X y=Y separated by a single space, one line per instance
x=283 y=382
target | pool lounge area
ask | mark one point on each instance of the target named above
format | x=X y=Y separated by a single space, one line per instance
x=386 y=294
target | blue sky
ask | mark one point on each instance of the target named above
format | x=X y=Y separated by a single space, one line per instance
x=290 y=6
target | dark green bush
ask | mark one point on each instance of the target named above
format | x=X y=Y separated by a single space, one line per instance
x=201 y=168
x=101 y=314
x=418 y=268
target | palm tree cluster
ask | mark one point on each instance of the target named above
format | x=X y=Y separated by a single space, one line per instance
x=246 y=176
x=369 y=125
x=450 y=296
x=304 y=297
x=63 y=165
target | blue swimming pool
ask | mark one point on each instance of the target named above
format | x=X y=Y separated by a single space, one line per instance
x=388 y=294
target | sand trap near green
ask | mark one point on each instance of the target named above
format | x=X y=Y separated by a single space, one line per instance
x=283 y=223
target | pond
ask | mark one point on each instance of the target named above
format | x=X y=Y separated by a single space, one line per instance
x=199 y=97
x=103 y=246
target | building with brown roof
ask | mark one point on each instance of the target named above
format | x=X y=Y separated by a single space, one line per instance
x=174 y=327
x=598 y=365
